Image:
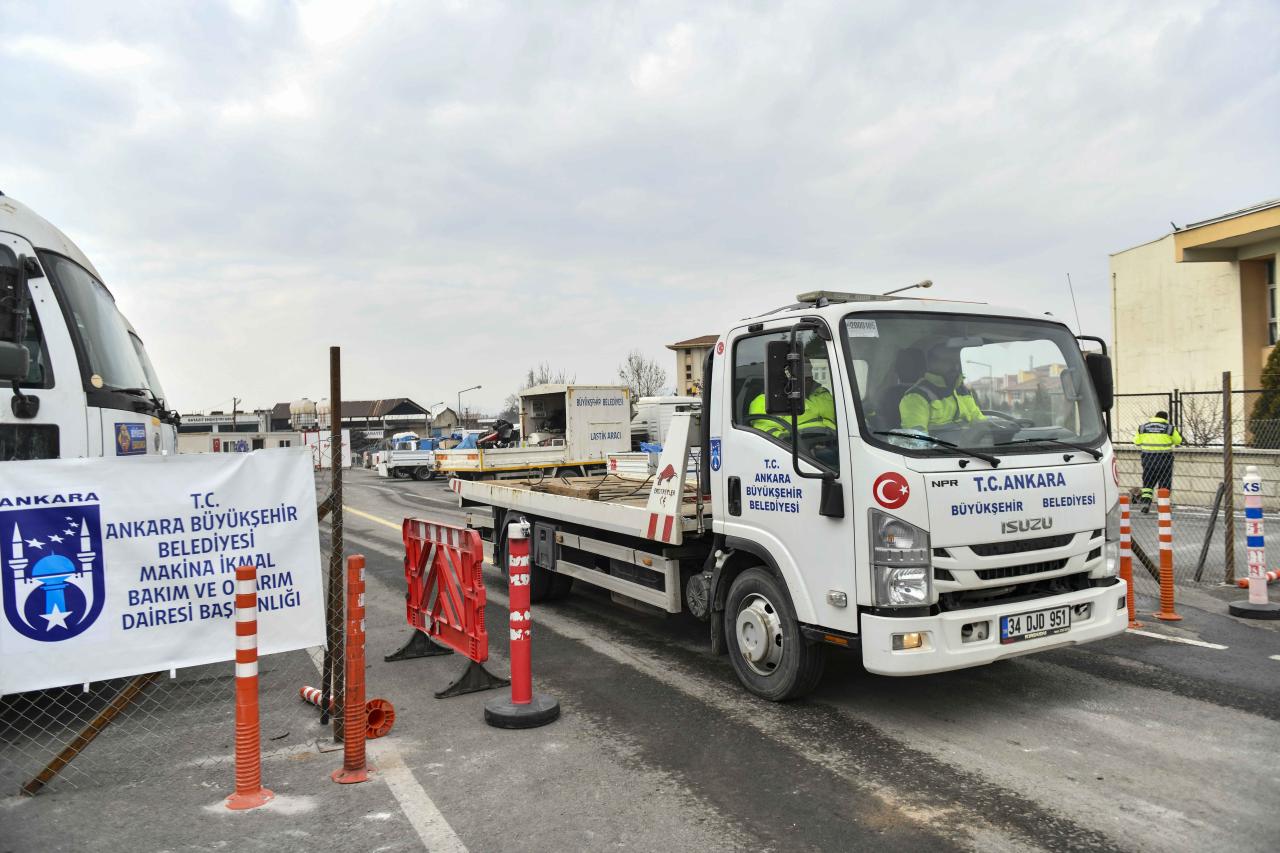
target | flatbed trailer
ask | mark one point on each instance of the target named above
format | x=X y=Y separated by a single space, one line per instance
x=609 y=530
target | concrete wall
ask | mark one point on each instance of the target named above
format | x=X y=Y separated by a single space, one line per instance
x=1175 y=325
x=1197 y=471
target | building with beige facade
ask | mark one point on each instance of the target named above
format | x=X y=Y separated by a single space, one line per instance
x=1196 y=302
x=690 y=357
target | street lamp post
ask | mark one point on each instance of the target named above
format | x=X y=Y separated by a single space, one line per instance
x=923 y=285
x=460 y=393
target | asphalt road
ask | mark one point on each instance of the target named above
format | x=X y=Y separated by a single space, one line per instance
x=1136 y=743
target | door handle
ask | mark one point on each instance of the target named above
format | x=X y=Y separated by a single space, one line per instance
x=735 y=496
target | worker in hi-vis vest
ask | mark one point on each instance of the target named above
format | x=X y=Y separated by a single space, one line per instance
x=940 y=397
x=1156 y=439
x=819 y=411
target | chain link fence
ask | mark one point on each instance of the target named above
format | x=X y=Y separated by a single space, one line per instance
x=141 y=730
x=1223 y=434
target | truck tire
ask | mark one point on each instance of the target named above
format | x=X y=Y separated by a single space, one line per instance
x=421 y=473
x=769 y=655
x=544 y=585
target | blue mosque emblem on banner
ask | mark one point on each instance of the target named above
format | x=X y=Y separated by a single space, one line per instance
x=53 y=578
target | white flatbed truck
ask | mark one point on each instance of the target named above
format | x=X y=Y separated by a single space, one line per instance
x=928 y=550
x=563 y=428
x=80 y=381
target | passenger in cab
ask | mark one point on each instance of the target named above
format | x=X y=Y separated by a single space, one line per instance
x=819 y=410
x=940 y=397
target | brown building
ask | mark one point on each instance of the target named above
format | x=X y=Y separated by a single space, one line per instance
x=690 y=356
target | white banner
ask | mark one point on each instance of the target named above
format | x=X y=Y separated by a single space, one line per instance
x=116 y=567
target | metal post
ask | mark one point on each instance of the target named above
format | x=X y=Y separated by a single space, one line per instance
x=1229 y=494
x=333 y=675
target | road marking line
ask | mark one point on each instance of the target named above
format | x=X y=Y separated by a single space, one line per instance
x=436 y=833
x=1200 y=643
x=375 y=518
x=433 y=830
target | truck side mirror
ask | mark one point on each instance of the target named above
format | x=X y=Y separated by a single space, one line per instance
x=15 y=361
x=781 y=394
x=1099 y=367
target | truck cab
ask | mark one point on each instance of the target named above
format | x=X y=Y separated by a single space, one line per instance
x=77 y=373
x=932 y=479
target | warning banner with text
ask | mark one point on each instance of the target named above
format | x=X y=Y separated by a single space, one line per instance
x=116 y=567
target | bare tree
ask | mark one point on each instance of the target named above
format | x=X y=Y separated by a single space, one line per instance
x=642 y=375
x=1202 y=419
x=539 y=374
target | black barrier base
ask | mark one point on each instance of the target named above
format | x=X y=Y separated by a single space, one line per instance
x=504 y=714
x=1245 y=610
x=473 y=679
x=419 y=646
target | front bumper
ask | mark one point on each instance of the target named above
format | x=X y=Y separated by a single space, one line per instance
x=944 y=648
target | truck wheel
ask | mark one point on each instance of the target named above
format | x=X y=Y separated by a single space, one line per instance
x=432 y=474
x=420 y=473
x=770 y=656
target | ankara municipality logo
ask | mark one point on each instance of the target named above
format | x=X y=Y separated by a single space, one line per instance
x=53 y=574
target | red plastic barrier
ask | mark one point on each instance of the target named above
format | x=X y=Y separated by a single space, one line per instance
x=442 y=565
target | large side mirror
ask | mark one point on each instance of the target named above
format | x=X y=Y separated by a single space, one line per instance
x=15 y=361
x=1099 y=367
x=781 y=395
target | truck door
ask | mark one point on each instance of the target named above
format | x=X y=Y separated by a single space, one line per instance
x=59 y=428
x=761 y=498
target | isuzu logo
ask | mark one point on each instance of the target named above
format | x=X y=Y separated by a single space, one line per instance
x=1026 y=525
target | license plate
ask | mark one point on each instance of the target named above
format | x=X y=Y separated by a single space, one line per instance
x=1037 y=623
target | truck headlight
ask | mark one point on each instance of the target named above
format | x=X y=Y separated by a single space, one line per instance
x=1111 y=547
x=901 y=570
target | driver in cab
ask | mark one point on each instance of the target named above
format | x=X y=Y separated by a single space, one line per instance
x=819 y=410
x=940 y=397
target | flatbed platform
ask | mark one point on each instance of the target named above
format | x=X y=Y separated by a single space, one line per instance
x=610 y=502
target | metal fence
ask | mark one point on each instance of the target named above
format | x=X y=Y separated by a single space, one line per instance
x=126 y=731
x=1223 y=432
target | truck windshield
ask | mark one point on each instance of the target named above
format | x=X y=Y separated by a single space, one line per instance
x=973 y=382
x=100 y=328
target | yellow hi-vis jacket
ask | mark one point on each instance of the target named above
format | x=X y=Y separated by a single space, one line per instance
x=929 y=403
x=1157 y=436
x=819 y=411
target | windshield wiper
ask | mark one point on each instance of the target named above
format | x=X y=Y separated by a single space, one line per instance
x=1096 y=454
x=993 y=461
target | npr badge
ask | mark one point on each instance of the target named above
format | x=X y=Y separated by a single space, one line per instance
x=131 y=439
x=52 y=570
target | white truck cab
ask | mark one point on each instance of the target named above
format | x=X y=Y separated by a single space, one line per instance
x=79 y=380
x=949 y=497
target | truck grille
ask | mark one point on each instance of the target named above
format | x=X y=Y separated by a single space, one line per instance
x=1017 y=546
x=1019 y=571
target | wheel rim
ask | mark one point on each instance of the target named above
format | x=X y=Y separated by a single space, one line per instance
x=759 y=634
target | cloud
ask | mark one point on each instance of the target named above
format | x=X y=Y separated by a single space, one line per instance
x=456 y=191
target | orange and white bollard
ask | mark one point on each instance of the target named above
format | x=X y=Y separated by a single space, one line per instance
x=1257 y=606
x=354 y=765
x=249 y=791
x=379 y=713
x=1126 y=558
x=1167 y=613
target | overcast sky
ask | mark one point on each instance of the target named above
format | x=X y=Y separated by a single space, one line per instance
x=455 y=191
